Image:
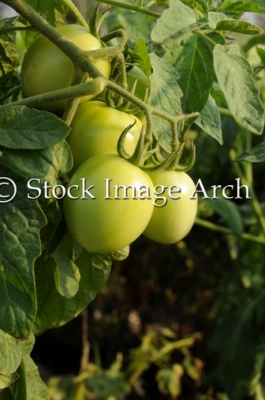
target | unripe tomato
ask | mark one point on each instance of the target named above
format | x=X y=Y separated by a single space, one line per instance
x=135 y=73
x=46 y=68
x=172 y=222
x=106 y=223
x=96 y=129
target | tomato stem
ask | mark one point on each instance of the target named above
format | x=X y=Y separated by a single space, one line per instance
x=131 y=7
x=79 y=17
x=249 y=183
x=214 y=227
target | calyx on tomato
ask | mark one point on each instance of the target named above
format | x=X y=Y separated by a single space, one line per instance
x=46 y=68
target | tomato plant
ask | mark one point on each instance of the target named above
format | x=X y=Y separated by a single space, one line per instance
x=96 y=129
x=175 y=213
x=113 y=219
x=202 y=92
x=46 y=68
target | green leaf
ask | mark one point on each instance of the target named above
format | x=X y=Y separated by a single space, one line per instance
x=221 y=22
x=53 y=11
x=184 y=31
x=193 y=59
x=169 y=380
x=7 y=380
x=174 y=19
x=137 y=25
x=165 y=95
x=67 y=274
x=261 y=53
x=236 y=81
x=210 y=120
x=242 y=27
x=30 y=385
x=56 y=310
x=105 y=386
x=10 y=354
x=26 y=345
x=120 y=255
x=257 y=6
x=20 y=222
x=254 y=155
x=200 y=5
x=8 y=52
x=45 y=164
x=30 y=129
x=5 y=394
x=228 y=212
x=141 y=55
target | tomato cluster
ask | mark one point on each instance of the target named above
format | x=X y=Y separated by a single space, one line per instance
x=112 y=200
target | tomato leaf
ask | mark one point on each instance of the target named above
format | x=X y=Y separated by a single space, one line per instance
x=56 y=310
x=174 y=19
x=26 y=345
x=120 y=254
x=192 y=57
x=229 y=213
x=137 y=25
x=261 y=53
x=20 y=222
x=5 y=381
x=140 y=54
x=244 y=5
x=10 y=354
x=235 y=78
x=8 y=52
x=27 y=128
x=53 y=11
x=30 y=385
x=46 y=164
x=254 y=155
x=67 y=275
x=210 y=120
x=221 y=22
x=165 y=95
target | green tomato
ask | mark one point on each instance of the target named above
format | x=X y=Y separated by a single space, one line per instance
x=106 y=223
x=135 y=73
x=96 y=129
x=46 y=68
x=172 y=221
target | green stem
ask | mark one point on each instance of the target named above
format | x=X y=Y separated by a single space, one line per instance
x=228 y=231
x=205 y=37
x=79 y=17
x=254 y=201
x=95 y=87
x=225 y=112
x=72 y=104
x=248 y=165
x=12 y=91
x=131 y=7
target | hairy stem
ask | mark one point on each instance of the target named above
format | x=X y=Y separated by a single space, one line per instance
x=217 y=228
x=79 y=17
x=253 y=201
x=131 y=7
